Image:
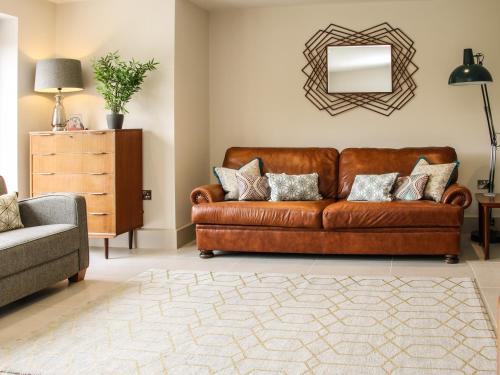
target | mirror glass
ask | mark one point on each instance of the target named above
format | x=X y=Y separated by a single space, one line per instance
x=359 y=69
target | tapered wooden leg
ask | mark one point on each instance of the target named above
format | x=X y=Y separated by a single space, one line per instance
x=205 y=254
x=486 y=232
x=451 y=259
x=77 y=276
x=130 y=239
x=106 y=248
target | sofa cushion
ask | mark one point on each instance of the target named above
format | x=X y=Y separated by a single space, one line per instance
x=289 y=214
x=323 y=161
x=354 y=161
x=397 y=214
x=24 y=248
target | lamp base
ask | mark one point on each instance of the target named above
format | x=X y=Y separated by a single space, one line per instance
x=494 y=236
x=58 y=128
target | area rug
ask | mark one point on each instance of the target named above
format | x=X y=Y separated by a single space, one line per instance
x=181 y=322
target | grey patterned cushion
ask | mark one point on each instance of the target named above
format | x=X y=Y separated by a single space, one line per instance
x=227 y=177
x=303 y=187
x=439 y=177
x=374 y=188
x=252 y=188
x=410 y=188
x=10 y=217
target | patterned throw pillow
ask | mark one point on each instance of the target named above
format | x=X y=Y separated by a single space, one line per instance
x=373 y=188
x=410 y=188
x=227 y=177
x=10 y=218
x=439 y=177
x=252 y=188
x=303 y=187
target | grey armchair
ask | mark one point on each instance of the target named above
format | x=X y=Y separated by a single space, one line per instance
x=52 y=246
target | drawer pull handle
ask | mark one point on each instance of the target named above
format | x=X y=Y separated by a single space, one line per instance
x=45 y=134
x=96 y=153
x=97 y=193
x=97 y=133
x=46 y=173
x=98 y=213
x=97 y=173
x=48 y=154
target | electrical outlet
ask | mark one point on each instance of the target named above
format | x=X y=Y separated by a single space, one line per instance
x=146 y=195
x=482 y=184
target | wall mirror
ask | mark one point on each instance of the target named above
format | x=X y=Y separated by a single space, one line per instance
x=359 y=69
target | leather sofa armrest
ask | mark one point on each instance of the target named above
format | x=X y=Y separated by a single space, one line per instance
x=207 y=194
x=458 y=195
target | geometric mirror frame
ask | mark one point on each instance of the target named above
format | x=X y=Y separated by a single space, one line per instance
x=402 y=66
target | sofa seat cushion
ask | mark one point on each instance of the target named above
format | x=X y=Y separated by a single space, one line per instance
x=398 y=214
x=28 y=247
x=288 y=214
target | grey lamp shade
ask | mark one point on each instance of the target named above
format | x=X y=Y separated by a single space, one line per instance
x=54 y=74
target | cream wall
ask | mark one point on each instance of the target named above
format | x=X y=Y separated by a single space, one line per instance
x=36 y=20
x=8 y=100
x=191 y=110
x=256 y=95
x=141 y=30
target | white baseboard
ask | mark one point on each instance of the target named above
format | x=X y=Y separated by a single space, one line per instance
x=144 y=238
x=153 y=238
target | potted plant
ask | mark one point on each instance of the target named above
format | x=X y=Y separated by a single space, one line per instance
x=118 y=80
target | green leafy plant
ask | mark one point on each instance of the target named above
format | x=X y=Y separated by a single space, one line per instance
x=119 y=80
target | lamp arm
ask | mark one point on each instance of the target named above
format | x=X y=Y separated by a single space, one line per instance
x=493 y=140
x=489 y=117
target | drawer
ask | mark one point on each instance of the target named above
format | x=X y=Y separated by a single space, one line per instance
x=73 y=183
x=69 y=142
x=100 y=222
x=100 y=202
x=97 y=162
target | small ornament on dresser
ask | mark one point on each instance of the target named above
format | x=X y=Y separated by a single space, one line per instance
x=75 y=123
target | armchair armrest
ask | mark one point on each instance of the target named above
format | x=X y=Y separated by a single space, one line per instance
x=60 y=208
x=207 y=194
x=458 y=195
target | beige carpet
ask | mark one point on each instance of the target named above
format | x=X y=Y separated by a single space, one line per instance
x=181 y=322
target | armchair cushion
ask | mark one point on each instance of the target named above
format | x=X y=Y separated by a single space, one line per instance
x=25 y=248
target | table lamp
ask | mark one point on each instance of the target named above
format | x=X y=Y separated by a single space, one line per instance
x=58 y=76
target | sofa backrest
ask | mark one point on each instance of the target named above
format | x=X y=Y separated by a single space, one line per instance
x=354 y=161
x=3 y=187
x=323 y=161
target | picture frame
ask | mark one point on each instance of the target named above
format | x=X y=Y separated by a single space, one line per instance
x=75 y=122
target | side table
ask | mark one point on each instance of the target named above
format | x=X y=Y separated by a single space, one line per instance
x=485 y=204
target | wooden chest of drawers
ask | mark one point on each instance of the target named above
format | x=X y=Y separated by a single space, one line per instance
x=104 y=166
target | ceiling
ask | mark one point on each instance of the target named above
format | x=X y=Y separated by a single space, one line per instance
x=223 y=4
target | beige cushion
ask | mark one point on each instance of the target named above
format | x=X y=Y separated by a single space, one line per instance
x=439 y=177
x=227 y=177
x=10 y=217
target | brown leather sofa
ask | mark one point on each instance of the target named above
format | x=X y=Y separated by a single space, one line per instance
x=332 y=225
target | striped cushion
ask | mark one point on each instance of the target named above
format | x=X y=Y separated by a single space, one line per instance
x=252 y=188
x=410 y=188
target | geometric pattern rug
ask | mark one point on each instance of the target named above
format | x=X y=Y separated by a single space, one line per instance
x=184 y=322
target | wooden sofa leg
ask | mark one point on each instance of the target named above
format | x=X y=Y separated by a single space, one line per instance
x=77 y=276
x=205 y=254
x=451 y=259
